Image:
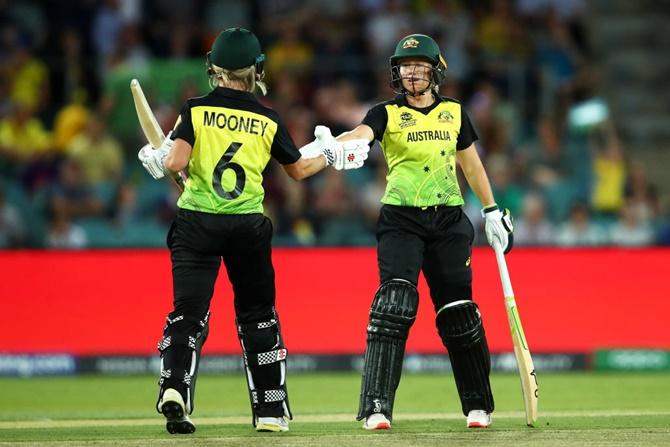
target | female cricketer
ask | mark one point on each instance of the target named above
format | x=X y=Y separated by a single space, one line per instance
x=225 y=139
x=422 y=227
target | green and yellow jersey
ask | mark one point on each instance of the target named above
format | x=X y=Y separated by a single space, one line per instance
x=233 y=137
x=420 y=149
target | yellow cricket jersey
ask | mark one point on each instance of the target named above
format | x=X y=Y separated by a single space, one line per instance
x=420 y=149
x=233 y=137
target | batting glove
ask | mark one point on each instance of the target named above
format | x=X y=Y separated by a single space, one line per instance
x=498 y=227
x=152 y=159
x=341 y=155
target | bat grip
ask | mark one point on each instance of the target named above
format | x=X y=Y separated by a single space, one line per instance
x=502 y=268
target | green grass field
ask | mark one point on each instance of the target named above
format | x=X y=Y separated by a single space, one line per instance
x=575 y=409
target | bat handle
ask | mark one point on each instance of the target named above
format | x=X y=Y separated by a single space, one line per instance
x=502 y=267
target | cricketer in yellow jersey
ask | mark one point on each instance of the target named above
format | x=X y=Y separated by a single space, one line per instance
x=225 y=139
x=423 y=228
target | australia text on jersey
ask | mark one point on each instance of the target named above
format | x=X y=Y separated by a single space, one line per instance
x=235 y=123
x=425 y=135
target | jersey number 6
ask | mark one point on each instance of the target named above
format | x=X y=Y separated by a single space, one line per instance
x=223 y=164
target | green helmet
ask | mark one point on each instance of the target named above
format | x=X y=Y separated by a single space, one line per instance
x=417 y=46
x=236 y=48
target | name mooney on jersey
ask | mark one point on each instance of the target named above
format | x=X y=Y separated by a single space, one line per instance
x=235 y=123
x=428 y=135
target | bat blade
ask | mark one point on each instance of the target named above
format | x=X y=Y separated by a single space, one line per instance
x=152 y=130
x=148 y=122
x=524 y=360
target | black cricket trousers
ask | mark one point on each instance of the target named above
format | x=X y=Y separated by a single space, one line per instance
x=436 y=239
x=199 y=241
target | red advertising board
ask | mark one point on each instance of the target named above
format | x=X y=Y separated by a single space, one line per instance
x=115 y=302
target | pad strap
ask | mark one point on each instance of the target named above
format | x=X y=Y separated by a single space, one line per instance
x=266 y=396
x=180 y=346
x=265 y=358
x=246 y=328
x=265 y=363
x=169 y=340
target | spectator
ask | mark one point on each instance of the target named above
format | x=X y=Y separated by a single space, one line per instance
x=579 y=230
x=641 y=194
x=507 y=192
x=71 y=197
x=493 y=32
x=97 y=153
x=533 y=228
x=28 y=78
x=23 y=137
x=130 y=52
x=629 y=230
x=70 y=121
x=25 y=148
x=63 y=234
x=609 y=174
x=125 y=209
x=454 y=24
x=12 y=234
x=106 y=29
x=559 y=61
x=290 y=55
x=335 y=205
x=384 y=28
x=545 y=168
x=340 y=52
x=347 y=111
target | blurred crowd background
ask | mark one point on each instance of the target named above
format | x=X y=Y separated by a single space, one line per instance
x=568 y=98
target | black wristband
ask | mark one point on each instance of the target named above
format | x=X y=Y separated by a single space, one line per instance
x=489 y=209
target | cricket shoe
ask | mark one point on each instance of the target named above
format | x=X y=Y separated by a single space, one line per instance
x=377 y=421
x=479 y=419
x=172 y=406
x=272 y=424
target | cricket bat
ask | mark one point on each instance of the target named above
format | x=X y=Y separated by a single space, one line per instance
x=152 y=131
x=523 y=359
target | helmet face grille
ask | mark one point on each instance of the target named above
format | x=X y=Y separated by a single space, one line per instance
x=396 y=79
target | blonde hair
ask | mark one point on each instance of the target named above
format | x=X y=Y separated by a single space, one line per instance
x=247 y=76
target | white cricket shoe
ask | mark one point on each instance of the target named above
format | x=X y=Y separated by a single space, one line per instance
x=479 y=419
x=272 y=424
x=377 y=421
x=172 y=406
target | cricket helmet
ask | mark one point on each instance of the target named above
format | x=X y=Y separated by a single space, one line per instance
x=417 y=46
x=236 y=48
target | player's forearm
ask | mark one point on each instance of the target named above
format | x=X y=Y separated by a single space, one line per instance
x=305 y=167
x=314 y=165
x=479 y=183
x=474 y=172
x=178 y=157
x=362 y=132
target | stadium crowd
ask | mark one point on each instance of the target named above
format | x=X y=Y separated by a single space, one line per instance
x=524 y=70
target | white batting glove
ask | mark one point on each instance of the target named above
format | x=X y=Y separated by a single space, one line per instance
x=498 y=227
x=341 y=155
x=311 y=150
x=152 y=159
